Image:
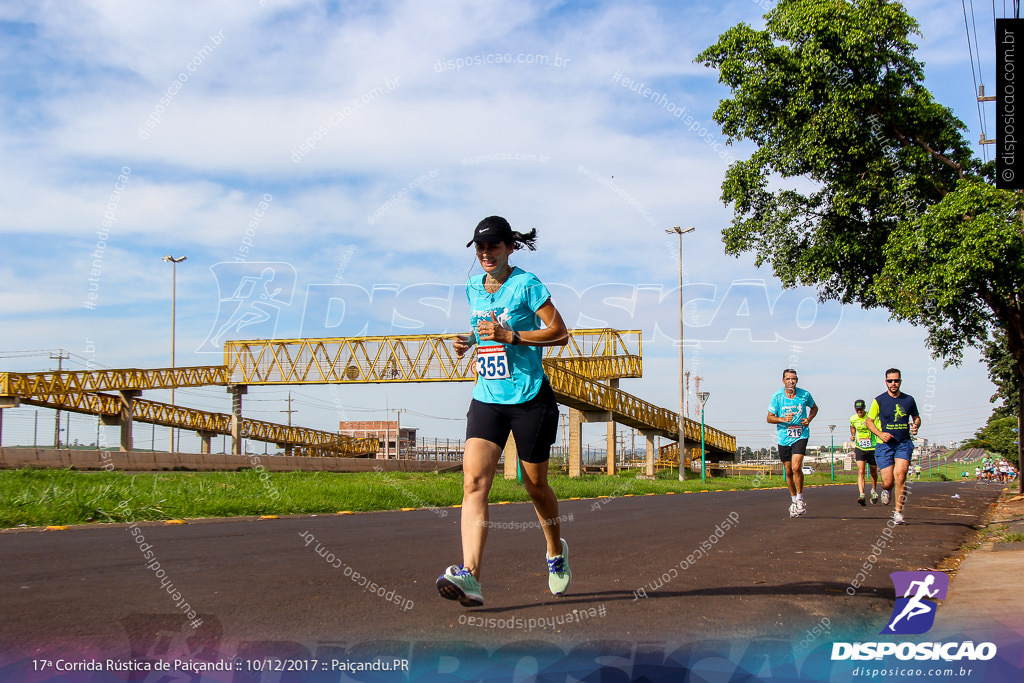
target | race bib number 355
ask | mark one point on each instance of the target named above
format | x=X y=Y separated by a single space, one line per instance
x=492 y=362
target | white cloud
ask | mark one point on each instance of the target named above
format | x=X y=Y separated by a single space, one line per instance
x=424 y=159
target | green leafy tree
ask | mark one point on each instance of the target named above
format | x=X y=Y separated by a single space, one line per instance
x=1000 y=370
x=861 y=184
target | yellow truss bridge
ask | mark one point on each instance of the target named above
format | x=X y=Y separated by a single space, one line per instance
x=584 y=375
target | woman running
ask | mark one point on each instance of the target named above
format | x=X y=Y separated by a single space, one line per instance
x=512 y=318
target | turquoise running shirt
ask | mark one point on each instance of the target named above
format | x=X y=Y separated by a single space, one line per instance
x=801 y=403
x=508 y=374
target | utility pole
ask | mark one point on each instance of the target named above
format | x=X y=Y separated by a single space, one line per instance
x=289 y=411
x=565 y=427
x=398 y=432
x=687 y=385
x=61 y=355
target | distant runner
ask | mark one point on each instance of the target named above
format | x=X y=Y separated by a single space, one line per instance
x=894 y=419
x=791 y=410
x=863 y=450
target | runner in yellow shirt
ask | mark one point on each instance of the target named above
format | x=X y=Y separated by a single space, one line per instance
x=864 y=450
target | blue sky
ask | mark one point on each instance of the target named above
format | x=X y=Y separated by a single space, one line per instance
x=351 y=147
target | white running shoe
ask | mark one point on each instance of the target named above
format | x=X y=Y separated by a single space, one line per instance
x=559 y=575
x=794 y=510
x=459 y=584
x=885 y=496
x=801 y=507
x=897 y=518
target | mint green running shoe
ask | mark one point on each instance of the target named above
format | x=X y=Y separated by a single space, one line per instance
x=559 y=576
x=458 y=583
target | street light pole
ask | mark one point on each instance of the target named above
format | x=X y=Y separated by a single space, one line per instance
x=174 y=292
x=832 y=455
x=702 y=396
x=682 y=396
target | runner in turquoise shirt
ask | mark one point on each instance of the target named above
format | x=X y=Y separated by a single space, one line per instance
x=512 y=317
x=791 y=410
x=514 y=307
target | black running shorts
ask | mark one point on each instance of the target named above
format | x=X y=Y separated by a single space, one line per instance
x=786 y=453
x=534 y=424
x=865 y=456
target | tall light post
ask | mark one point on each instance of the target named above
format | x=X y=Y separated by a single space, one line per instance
x=682 y=395
x=832 y=455
x=174 y=291
x=702 y=397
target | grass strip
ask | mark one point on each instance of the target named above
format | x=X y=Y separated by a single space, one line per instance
x=43 y=497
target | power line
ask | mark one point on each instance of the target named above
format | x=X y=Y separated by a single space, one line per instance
x=981 y=78
x=974 y=75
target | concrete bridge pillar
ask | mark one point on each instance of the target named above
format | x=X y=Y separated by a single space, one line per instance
x=124 y=417
x=575 y=442
x=6 y=402
x=236 y=391
x=204 y=442
x=649 y=459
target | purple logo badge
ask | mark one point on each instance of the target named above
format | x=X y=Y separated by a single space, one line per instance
x=916 y=593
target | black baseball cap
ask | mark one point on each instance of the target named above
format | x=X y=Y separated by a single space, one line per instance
x=492 y=230
x=859 y=403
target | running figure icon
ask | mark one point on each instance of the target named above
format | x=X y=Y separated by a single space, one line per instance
x=915 y=606
x=917 y=596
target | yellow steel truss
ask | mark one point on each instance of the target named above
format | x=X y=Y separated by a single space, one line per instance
x=408 y=358
x=78 y=381
x=307 y=441
x=574 y=369
x=583 y=393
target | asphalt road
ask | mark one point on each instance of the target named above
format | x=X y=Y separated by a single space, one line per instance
x=727 y=565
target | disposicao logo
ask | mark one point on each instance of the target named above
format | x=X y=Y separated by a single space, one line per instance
x=914 y=612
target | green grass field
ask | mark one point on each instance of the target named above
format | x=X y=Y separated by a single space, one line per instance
x=39 y=497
